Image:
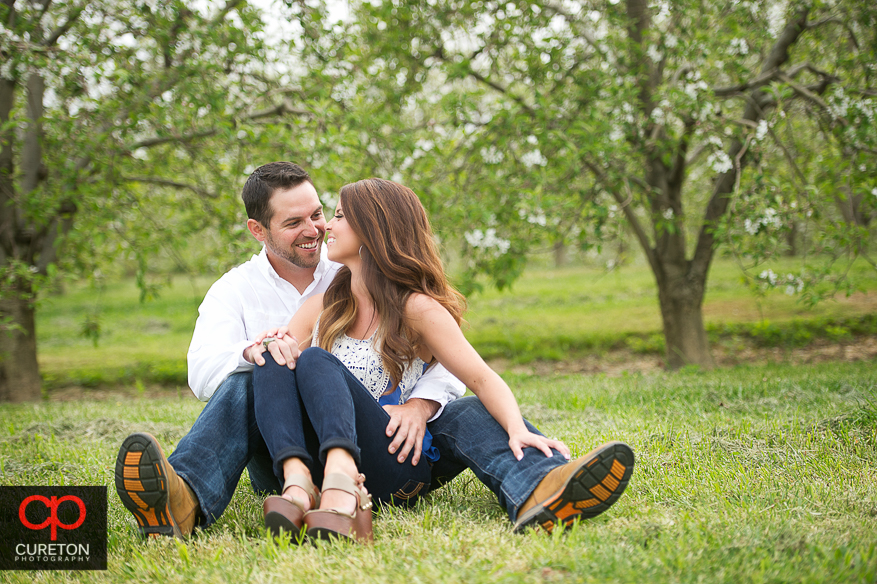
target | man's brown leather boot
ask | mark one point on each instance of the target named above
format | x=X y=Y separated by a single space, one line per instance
x=148 y=486
x=582 y=488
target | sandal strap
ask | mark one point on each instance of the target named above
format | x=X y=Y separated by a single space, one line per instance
x=342 y=482
x=304 y=483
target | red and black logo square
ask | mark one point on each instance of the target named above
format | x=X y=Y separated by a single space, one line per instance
x=53 y=528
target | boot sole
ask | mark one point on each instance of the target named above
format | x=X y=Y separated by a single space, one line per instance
x=593 y=487
x=142 y=485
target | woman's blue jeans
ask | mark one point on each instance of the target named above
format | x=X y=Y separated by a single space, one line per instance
x=304 y=412
x=225 y=439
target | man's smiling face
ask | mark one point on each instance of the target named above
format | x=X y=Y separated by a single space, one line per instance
x=297 y=226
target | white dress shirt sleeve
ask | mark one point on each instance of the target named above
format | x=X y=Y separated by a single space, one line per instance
x=438 y=385
x=218 y=342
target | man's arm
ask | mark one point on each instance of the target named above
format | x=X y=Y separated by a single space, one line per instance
x=218 y=343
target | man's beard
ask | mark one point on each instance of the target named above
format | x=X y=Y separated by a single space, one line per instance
x=291 y=254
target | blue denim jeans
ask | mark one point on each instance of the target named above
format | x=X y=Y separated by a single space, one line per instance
x=307 y=411
x=467 y=436
x=223 y=441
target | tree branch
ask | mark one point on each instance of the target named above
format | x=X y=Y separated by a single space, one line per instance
x=439 y=53
x=803 y=91
x=628 y=211
x=282 y=108
x=155 y=180
x=760 y=81
x=159 y=140
x=724 y=185
x=61 y=30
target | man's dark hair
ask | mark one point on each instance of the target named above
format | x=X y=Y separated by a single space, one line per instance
x=264 y=181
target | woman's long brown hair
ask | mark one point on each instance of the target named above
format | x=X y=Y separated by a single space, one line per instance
x=399 y=257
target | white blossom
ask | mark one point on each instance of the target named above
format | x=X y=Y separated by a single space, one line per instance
x=720 y=162
x=770 y=218
x=768 y=276
x=534 y=158
x=537 y=218
x=491 y=155
x=761 y=131
x=487 y=240
x=668 y=214
x=738 y=47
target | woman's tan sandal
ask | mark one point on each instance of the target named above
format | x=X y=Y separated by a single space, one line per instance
x=333 y=524
x=286 y=515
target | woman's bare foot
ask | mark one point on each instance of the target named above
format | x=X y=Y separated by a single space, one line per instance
x=339 y=461
x=296 y=494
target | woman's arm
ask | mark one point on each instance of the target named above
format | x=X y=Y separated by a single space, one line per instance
x=445 y=341
x=287 y=346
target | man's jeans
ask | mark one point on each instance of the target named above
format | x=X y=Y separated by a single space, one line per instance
x=467 y=436
x=225 y=439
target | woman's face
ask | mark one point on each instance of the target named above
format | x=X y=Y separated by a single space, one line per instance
x=342 y=243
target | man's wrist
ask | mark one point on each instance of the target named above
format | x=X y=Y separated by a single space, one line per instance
x=427 y=406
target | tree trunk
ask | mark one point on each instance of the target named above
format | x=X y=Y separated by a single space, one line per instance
x=560 y=258
x=19 y=373
x=681 y=301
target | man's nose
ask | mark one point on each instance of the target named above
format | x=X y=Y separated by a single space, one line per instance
x=313 y=227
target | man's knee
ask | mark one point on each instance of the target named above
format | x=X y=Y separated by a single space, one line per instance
x=236 y=387
x=464 y=410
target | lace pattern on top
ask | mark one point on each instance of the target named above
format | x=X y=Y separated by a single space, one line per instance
x=362 y=359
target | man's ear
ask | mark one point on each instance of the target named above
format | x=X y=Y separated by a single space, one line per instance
x=257 y=229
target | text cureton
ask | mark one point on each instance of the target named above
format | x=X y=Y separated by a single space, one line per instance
x=52 y=549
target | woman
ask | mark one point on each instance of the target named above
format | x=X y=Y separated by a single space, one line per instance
x=389 y=314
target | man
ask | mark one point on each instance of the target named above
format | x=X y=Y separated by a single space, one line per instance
x=193 y=486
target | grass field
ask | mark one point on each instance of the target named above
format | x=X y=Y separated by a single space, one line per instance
x=750 y=474
x=755 y=473
x=550 y=314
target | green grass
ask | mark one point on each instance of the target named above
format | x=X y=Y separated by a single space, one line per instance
x=551 y=314
x=556 y=314
x=748 y=474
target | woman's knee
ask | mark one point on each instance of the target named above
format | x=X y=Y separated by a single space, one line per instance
x=312 y=357
x=271 y=373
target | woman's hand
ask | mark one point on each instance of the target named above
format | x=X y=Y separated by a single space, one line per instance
x=524 y=439
x=282 y=346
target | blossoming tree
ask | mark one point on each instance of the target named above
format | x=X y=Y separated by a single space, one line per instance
x=121 y=125
x=694 y=123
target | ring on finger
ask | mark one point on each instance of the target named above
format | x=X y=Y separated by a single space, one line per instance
x=268 y=341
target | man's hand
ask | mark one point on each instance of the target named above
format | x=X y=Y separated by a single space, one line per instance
x=408 y=423
x=282 y=346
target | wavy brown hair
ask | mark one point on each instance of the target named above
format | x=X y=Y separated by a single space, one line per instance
x=399 y=257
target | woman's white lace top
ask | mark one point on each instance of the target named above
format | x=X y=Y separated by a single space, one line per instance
x=362 y=359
